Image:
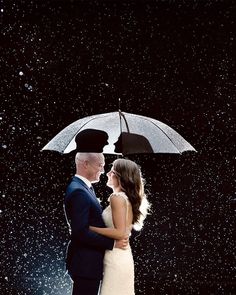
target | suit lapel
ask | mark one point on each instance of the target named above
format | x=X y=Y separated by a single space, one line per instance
x=92 y=194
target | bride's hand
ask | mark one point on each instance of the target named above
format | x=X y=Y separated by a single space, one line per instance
x=123 y=243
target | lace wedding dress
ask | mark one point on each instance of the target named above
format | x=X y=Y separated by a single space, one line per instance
x=118 y=276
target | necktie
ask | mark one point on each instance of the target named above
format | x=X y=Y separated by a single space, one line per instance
x=94 y=195
x=92 y=190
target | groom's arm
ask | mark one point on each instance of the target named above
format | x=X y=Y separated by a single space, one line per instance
x=79 y=214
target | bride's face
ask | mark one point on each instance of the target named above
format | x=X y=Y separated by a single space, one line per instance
x=113 y=179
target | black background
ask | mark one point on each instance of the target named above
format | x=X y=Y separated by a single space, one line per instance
x=173 y=61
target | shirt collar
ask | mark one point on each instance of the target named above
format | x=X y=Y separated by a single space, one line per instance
x=85 y=180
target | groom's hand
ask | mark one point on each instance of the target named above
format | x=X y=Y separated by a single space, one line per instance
x=122 y=244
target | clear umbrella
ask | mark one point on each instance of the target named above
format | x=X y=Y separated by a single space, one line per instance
x=119 y=133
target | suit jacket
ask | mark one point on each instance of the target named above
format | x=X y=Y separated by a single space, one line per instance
x=86 y=249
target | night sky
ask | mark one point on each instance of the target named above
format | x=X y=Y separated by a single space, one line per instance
x=174 y=61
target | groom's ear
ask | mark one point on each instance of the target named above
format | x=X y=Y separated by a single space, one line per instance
x=86 y=164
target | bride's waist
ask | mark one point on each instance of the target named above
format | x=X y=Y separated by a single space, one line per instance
x=127 y=248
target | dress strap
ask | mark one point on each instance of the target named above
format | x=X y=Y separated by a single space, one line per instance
x=122 y=194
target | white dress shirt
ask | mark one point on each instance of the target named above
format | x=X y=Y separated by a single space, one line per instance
x=85 y=180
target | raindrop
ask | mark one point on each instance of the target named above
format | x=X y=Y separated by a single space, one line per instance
x=29 y=87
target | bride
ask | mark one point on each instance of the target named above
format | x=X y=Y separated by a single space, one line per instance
x=128 y=208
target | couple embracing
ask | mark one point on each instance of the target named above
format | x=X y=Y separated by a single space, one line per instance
x=99 y=258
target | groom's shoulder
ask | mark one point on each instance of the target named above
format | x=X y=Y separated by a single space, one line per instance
x=75 y=184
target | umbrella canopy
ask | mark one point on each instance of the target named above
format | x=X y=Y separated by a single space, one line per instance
x=119 y=133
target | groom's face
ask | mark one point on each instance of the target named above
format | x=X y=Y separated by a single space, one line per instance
x=96 y=168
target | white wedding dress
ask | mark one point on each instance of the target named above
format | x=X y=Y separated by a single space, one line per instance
x=118 y=264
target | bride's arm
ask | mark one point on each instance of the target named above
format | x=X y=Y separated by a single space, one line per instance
x=118 y=207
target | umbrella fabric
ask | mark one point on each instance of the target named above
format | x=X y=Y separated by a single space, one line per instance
x=124 y=133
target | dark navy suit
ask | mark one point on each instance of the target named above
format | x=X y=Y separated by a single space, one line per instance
x=86 y=248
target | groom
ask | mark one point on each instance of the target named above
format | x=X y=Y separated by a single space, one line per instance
x=86 y=248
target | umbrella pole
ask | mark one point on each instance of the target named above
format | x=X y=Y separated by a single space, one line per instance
x=121 y=114
x=118 y=156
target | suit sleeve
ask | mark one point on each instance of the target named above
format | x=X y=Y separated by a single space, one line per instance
x=80 y=232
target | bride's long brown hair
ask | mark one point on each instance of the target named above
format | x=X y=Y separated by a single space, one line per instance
x=132 y=184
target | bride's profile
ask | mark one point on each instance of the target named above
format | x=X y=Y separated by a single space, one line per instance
x=128 y=209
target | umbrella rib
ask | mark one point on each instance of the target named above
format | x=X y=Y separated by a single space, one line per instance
x=126 y=123
x=81 y=128
x=162 y=132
